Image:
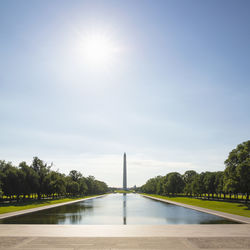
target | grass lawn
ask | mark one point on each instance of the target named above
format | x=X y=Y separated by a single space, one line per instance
x=123 y=191
x=222 y=206
x=13 y=207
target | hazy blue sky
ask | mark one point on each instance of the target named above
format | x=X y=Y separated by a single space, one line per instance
x=172 y=90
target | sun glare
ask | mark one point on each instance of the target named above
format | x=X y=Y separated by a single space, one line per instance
x=99 y=51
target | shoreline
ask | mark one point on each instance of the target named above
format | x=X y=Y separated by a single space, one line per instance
x=233 y=217
x=32 y=210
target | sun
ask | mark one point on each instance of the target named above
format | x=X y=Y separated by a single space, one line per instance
x=99 y=50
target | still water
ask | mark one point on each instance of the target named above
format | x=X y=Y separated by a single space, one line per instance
x=117 y=209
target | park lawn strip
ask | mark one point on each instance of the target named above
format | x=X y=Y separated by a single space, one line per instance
x=222 y=206
x=18 y=206
x=123 y=191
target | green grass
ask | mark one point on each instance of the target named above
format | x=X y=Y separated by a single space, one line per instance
x=222 y=206
x=123 y=191
x=17 y=206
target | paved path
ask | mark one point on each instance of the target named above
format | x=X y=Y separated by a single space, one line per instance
x=32 y=210
x=40 y=243
x=125 y=237
x=216 y=230
x=233 y=217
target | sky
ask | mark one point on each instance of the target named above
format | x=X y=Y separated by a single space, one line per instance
x=82 y=82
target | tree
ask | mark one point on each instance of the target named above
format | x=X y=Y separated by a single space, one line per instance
x=150 y=186
x=72 y=187
x=231 y=181
x=41 y=180
x=100 y=187
x=83 y=187
x=1 y=191
x=90 y=180
x=209 y=183
x=31 y=183
x=219 y=176
x=159 y=184
x=75 y=175
x=198 y=184
x=237 y=172
x=174 y=183
x=56 y=183
x=12 y=180
x=188 y=178
x=42 y=171
x=1 y=177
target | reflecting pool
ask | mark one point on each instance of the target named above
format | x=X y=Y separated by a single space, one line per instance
x=117 y=209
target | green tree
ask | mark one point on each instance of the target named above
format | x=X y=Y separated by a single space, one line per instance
x=1 y=177
x=237 y=172
x=39 y=179
x=174 y=183
x=188 y=178
x=56 y=183
x=72 y=188
x=100 y=187
x=83 y=187
x=209 y=183
x=12 y=180
x=90 y=181
x=30 y=184
x=219 y=176
x=198 y=184
x=75 y=175
x=151 y=185
x=42 y=170
x=159 y=184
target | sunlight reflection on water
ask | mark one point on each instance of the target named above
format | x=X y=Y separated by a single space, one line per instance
x=117 y=209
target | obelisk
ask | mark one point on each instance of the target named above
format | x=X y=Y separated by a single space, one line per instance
x=124 y=172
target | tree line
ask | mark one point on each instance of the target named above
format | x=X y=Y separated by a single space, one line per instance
x=39 y=181
x=234 y=180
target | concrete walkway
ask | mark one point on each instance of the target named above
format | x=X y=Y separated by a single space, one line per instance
x=206 y=237
x=218 y=230
x=40 y=243
x=32 y=210
x=238 y=218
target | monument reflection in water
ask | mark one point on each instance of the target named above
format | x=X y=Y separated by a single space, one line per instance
x=124 y=209
x=117 y=209
x=124 y=188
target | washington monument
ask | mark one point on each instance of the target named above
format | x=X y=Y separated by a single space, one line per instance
x=124 y=172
